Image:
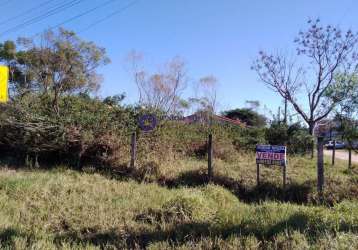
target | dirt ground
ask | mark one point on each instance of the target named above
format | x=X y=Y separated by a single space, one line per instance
x=342 y=155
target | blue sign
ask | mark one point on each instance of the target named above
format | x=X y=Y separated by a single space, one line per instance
x=271 y=155
x=147 y=122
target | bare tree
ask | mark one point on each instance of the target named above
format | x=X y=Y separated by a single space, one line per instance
x=160 y=90
x=253 y=104
x=205 y=95
x=325 y=51
x=208 y=86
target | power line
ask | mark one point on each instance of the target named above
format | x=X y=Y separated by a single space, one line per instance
x=26 y=12
x=57 y=8
x=43 y=16
x=98 y=21
x=83 y=14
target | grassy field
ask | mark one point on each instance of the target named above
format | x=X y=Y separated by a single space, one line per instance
x=175 y=207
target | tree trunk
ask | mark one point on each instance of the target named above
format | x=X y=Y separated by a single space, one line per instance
x=320 y=168
x=350 y=157
x=285 y=113
x=279 y=114
x=55 y=104
x=310 y=130
x=312 y=149
x=334 y=153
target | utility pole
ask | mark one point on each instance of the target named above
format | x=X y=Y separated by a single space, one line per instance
x=210 y=157
x=334 y=152
x=285 y=112
x=279 y=114
x=133 y=149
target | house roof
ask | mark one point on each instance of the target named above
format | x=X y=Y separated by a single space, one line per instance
x=200 y=117
x=232 y=121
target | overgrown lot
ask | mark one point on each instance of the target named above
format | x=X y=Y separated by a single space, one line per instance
x=65 y=182
x=63 y=208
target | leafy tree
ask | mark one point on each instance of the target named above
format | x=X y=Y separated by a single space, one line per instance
x=114 y=100
x=18 y=75
x=56 y=64
x=347 y=111
x=325 y=51
x=253 y=104
x=277 y=134
x=248 y=116
x=7 y=51
x=294 y=136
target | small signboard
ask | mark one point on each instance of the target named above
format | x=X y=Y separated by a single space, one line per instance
x=147 y=122
x=271 y=155
x=4 y=77
x=322 y=129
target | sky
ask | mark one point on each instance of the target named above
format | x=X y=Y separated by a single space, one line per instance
x=214 y=37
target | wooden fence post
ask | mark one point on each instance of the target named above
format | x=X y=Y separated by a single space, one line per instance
x=320 y=167
x=284 y=176
x=210 y=155
x=133 y=149
x=334 y=152
x=350 y=157
x=312 y=149
x=257 y=174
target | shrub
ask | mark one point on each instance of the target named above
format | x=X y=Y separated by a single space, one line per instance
x=85 y=128
x=148 y=171
x=294 y=136
x=249 y=116
x=105 y=150
x=88 y=131
x=246 y=139
x=224 y=150
x=300 y=142
x=277 y=134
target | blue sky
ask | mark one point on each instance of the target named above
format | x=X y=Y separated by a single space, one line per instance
x=214 y=37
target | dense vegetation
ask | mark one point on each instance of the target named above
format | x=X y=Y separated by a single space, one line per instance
x=89 y=131
x=248 y=116
x=166 y=200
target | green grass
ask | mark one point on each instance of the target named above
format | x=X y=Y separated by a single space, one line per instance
x=65 y=209
x=239 y=177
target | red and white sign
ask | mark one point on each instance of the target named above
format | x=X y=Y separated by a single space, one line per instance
x=271 y=155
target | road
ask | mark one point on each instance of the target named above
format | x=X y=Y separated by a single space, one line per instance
x=342 y=155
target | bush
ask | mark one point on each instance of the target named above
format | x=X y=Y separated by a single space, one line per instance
x=88 y=131
x=86 y=128
x=148 y=172
x=294 y=136
x=224 y=150
x=277 y=134
x=246 y=139
x=300 y=142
